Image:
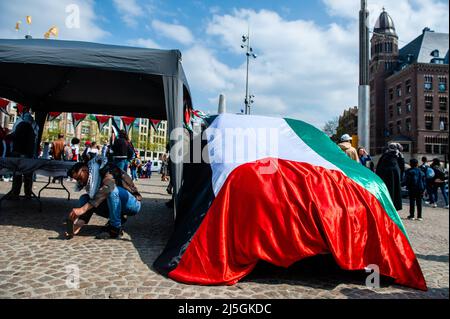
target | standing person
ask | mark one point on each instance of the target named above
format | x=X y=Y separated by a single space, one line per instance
x=164 y=168
x=415 y=183
x=93 y=150
x=148 y=169
x=438 y=183
x=122 y=150
x=429 y=174
x=389 y=168
x=58 y=147
x=75 y=147
x=364 y=157
x=24 y=144
x=347 y=147
x=5 y=149
x=85 y=154
x=134 y=165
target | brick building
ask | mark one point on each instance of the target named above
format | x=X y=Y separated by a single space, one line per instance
x=409 y=91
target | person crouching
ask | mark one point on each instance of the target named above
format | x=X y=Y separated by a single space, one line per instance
x=110 y=193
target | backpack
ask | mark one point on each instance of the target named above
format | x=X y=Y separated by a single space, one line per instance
x=438 y=173
x=429 y=173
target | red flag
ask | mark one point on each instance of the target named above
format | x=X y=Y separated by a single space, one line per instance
x=102 y=120
x=21 y=108
x=155 y=123
x=3 y=105
x=77 y=118
x=127 y=122
x=53 y=115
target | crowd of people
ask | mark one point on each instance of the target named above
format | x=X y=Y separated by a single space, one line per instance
x=423 y=182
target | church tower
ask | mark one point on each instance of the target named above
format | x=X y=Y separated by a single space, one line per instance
x=384 y=59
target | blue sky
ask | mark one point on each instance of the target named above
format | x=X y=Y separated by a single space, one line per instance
x=307 y=65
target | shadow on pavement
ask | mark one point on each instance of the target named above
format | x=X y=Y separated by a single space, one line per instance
x=438 y=258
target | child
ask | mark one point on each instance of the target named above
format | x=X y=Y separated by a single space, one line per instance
x=415 y=183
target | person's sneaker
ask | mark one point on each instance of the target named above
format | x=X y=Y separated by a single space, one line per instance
x=419 y=219
x=434 y=205
x=446 y=206
x=427 y=202
x=410 y=217
x=110 y=233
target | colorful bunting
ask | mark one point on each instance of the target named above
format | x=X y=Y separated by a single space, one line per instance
x=77 y=118
x=53 y=115
x=102 y=120
x=28 y=19
x=22 y=109
x=127 y=122
x=18 y=25
x=155 y=124
x=4 y=105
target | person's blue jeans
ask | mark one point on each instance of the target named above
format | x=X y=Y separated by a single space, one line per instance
x=435 y=193
x=121 y=202
x=122 y=164
x=133 y=174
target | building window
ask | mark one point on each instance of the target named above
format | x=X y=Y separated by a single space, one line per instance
x=408 y=106
x=442 y=84
x=436 y=149
x=428 y=84
x=391 y=111
x=408 y=86
x=436 y=144
x=443 y=123
x=443 y=103
x=429 y=122
x=405 y=148
x=391 y=129
x=408 y=125
x=399 y=127
x=85 y=130
x=399 y=91
x=428 y=102
x=399 y=108
x=444 y=149
x=391 y=94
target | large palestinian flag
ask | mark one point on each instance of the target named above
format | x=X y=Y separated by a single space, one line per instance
x=279 y=190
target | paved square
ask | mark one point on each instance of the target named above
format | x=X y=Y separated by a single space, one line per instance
x=35 y=259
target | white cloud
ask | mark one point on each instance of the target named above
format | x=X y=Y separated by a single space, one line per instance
x=175 y=32
x=145 y=43
x=47 y=13
x=410 y=16
x=303 y=70
x=130 y=10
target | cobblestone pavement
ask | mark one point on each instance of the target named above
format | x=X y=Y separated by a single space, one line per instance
x=34 y=257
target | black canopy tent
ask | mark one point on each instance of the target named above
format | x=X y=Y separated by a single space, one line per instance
x=72 y=76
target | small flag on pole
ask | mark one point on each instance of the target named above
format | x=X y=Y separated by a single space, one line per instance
x=28 y=19
x=53 y=31
x=18 y=25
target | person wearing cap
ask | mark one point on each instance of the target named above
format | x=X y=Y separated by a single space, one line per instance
x=347 y=147
x=390 y=168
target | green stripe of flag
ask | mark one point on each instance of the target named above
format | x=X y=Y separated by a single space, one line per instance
x=326 y=148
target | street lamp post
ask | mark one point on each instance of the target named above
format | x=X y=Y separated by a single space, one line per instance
x=249 y=53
